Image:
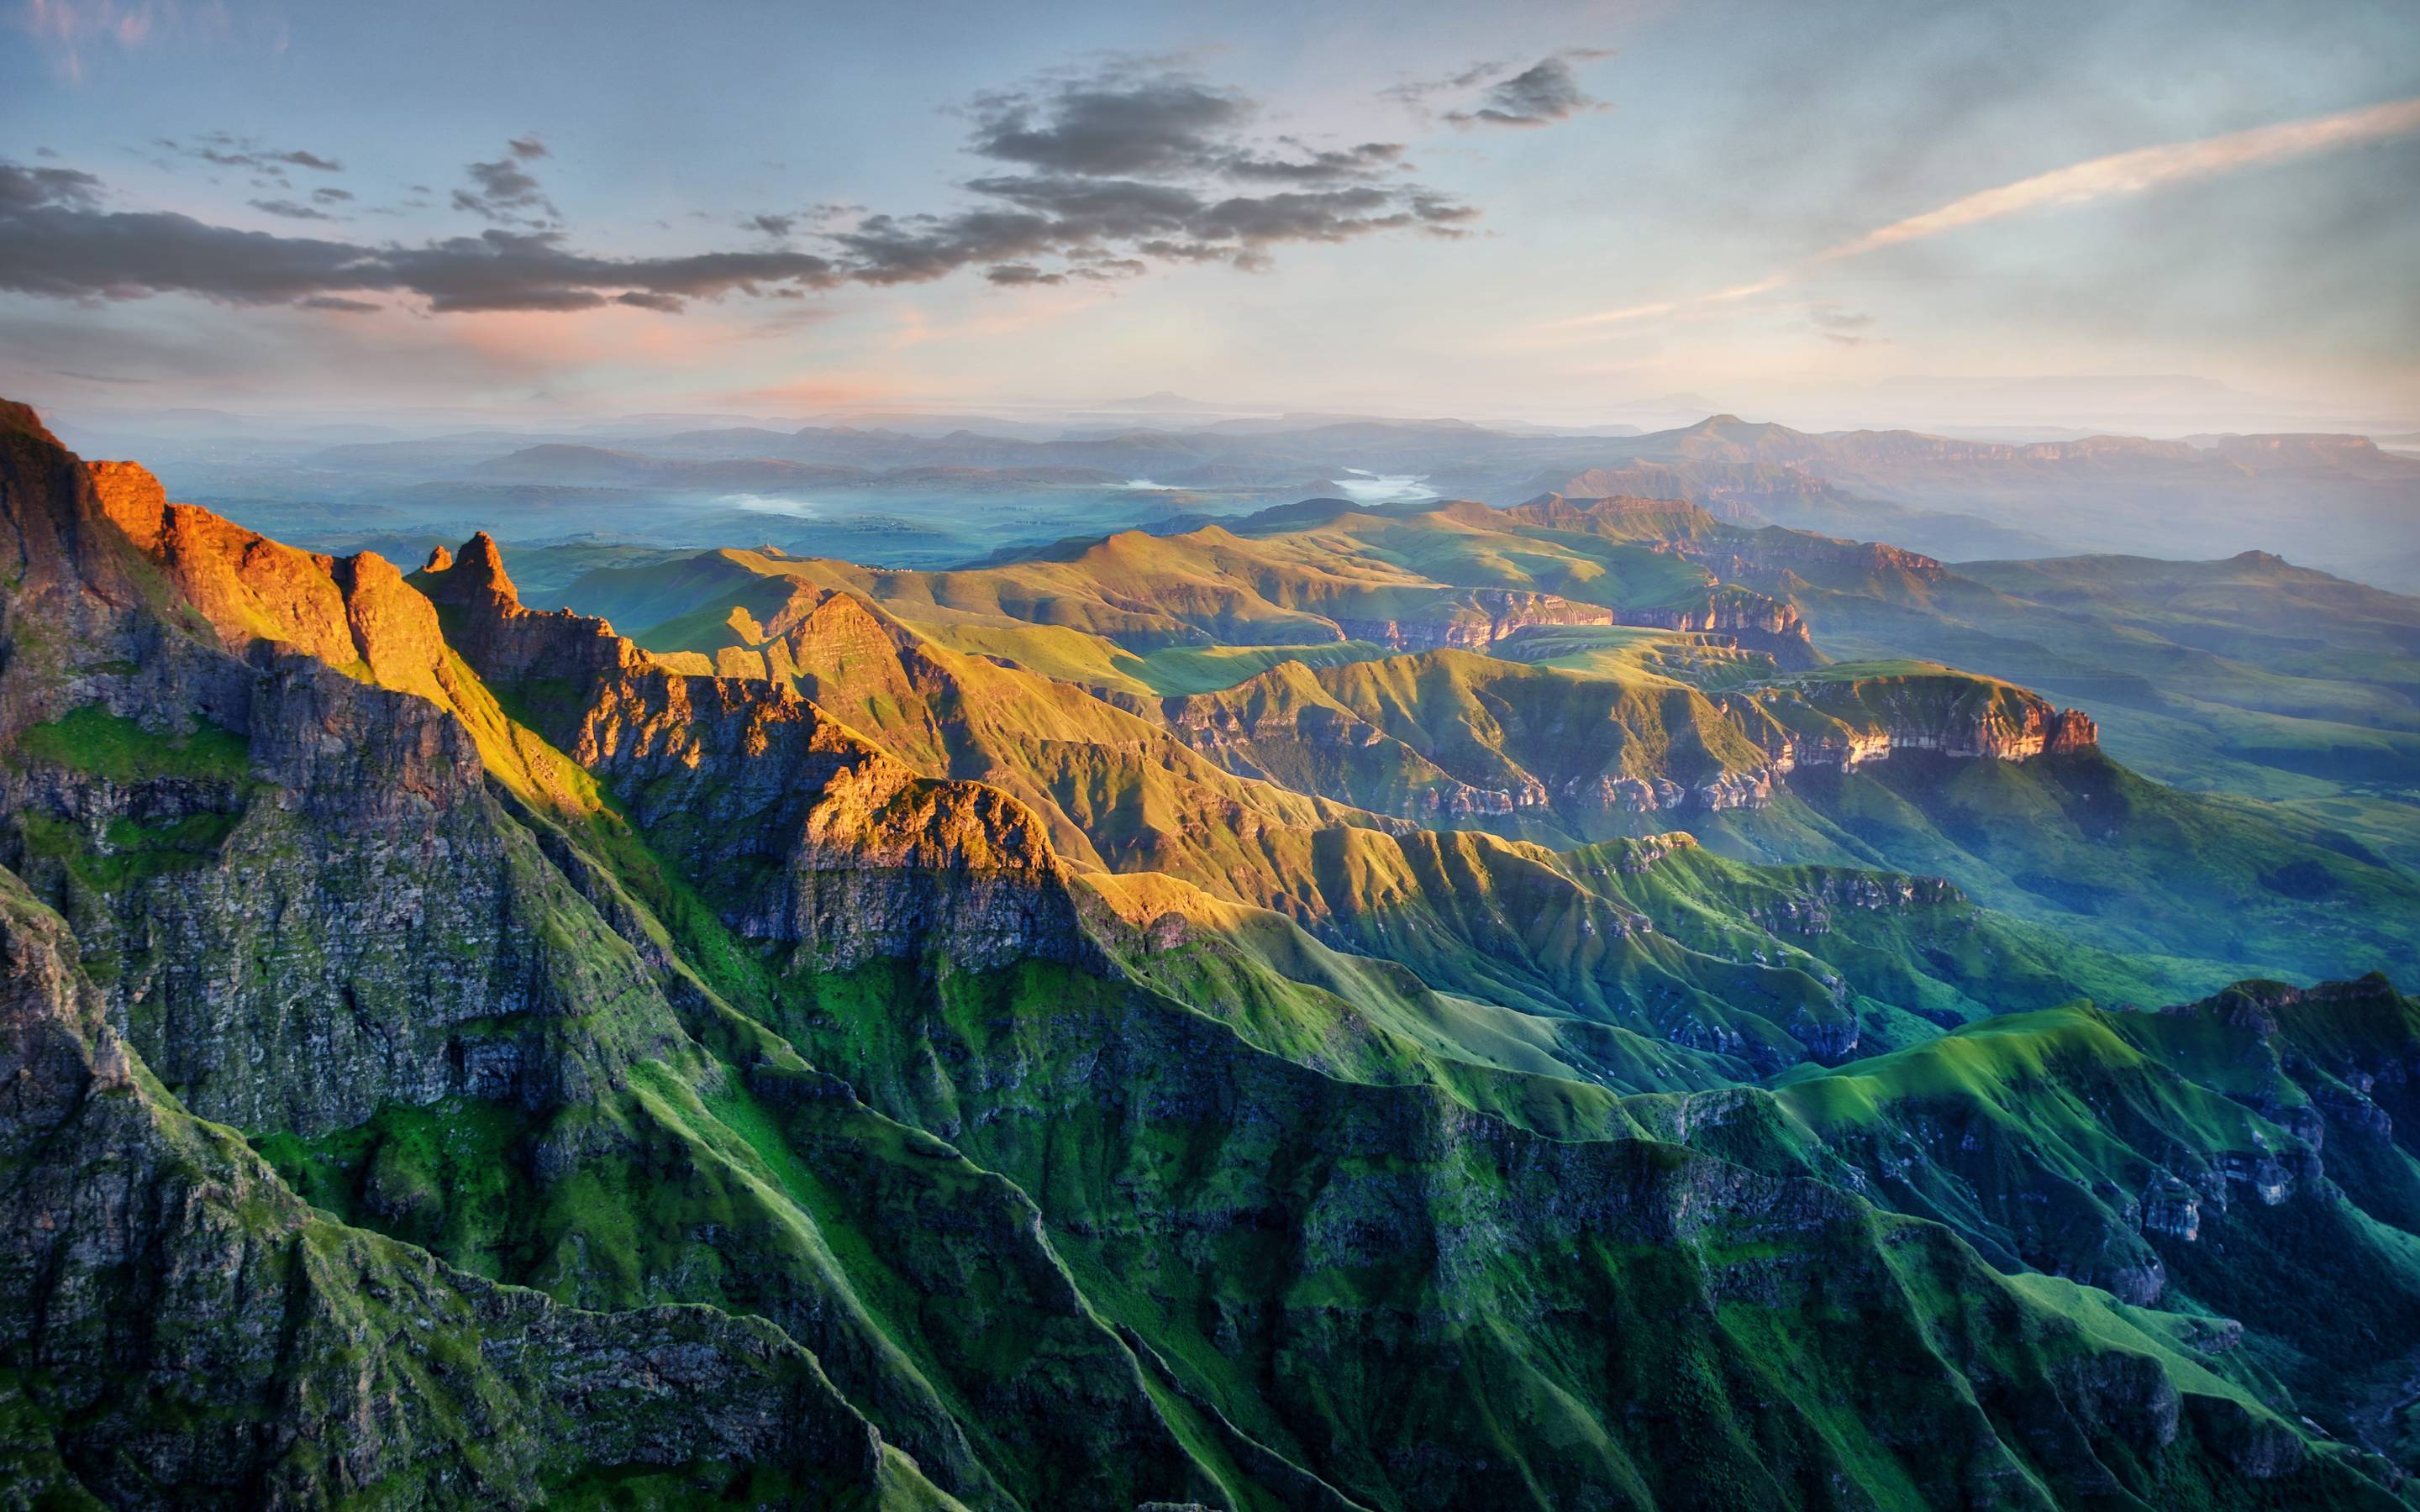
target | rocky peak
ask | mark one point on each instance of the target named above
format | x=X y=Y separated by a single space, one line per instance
x=132 y=497
x=481 y=568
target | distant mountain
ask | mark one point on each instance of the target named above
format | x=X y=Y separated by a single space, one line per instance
x=557 y=463
x=1163 y=402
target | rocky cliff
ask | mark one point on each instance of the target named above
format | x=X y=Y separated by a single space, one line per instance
x=1472 y=621
x=820 y=839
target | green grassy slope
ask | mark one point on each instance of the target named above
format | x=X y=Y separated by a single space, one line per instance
x=2247 y=675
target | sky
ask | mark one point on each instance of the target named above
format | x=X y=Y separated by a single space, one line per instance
x=2132 y=210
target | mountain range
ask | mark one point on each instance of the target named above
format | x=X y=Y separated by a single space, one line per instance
x=1581 y=1001
x=941 y=490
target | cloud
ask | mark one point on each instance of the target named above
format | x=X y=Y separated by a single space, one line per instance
x=56 y=241
x=229 y=152
x=2118 y=176
x=345 y=306
x=1112 y=125
x=1121 y=123
x=505 y=192
x=1082 y=218
x=1841 y=327
x=1541 y=94
x=23 y=188
x=1361 y=161
x=289 y=210
x=2147 y=168
x=1108 y=172
x=71 y=30
x=1132 y=163
x=1417 y=93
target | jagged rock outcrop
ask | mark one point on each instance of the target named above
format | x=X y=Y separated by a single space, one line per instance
x=1747 y=618
x=823 y=842
x=1473 y=620
x=2018 y=728
x=301 y=893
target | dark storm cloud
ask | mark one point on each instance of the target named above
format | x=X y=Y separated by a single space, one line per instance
x=338 y=304
x=1539 y=95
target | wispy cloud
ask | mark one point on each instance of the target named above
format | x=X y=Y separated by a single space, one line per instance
x=2144 y=169
x=71 y=31
x=2119 y=176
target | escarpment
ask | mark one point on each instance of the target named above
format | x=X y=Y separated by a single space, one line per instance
x=1472 y=621
x=1747 y=618
x=290 y=874
x=825 y=842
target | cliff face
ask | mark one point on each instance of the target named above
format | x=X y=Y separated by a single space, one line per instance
x=1456 y=738
x=2016 y=727
x=1473 y=621
x=301 y=900
x=180 y=1327
x=300 y=890
x=1749 y=620
x=824 y=842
